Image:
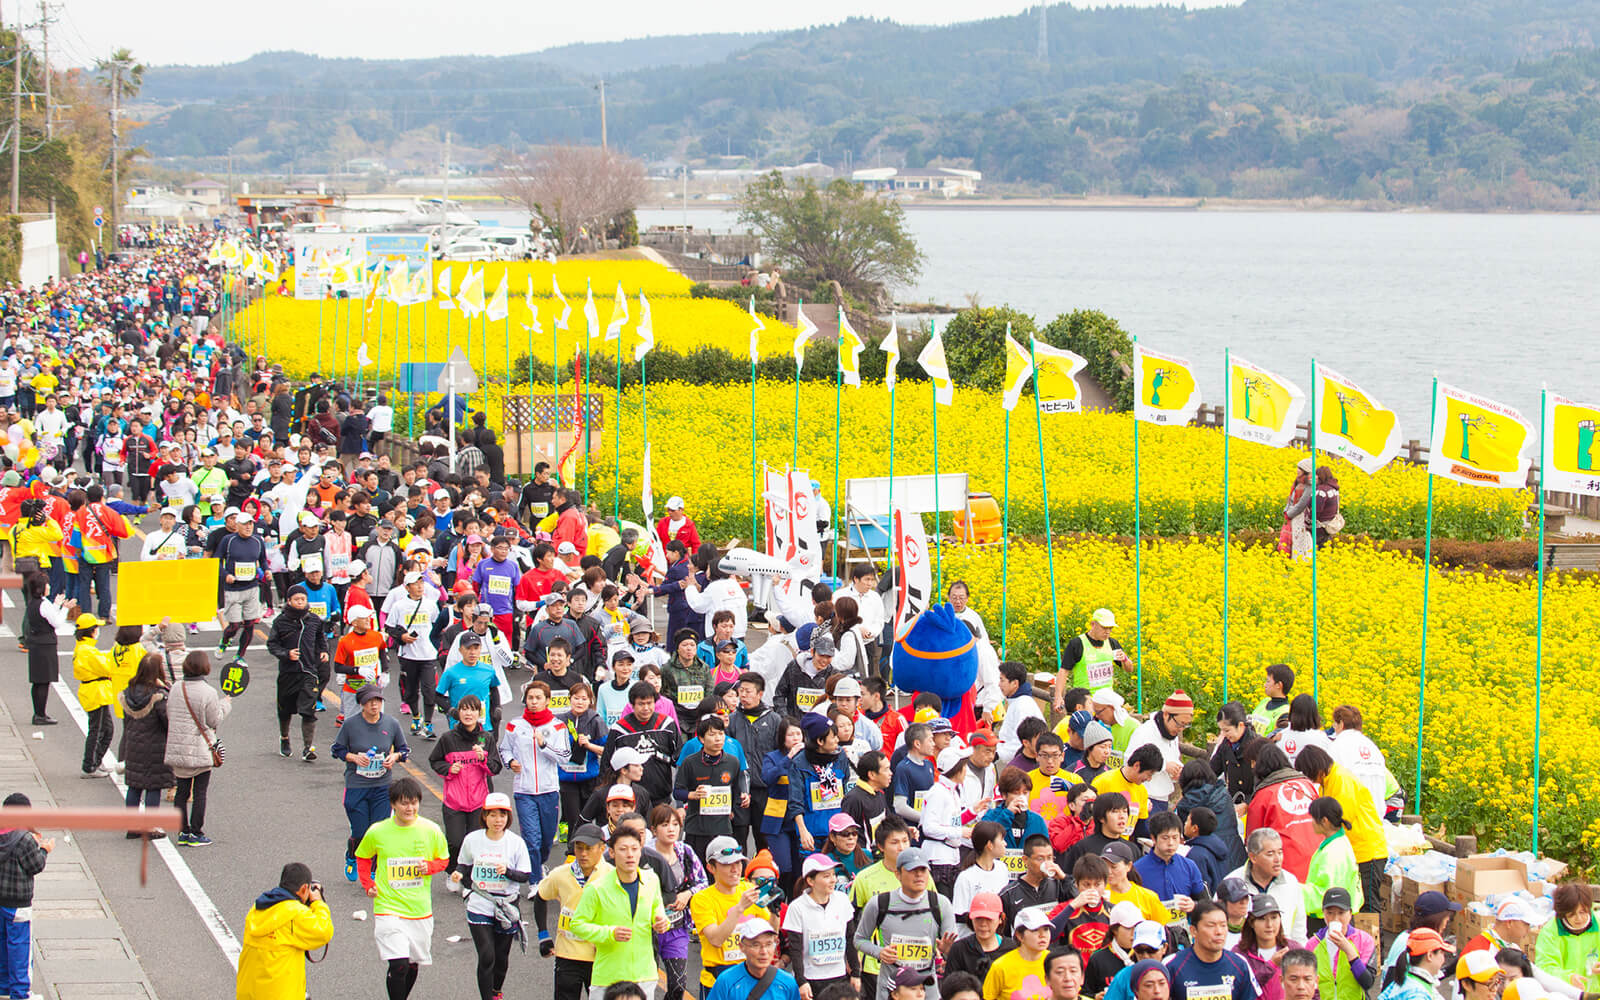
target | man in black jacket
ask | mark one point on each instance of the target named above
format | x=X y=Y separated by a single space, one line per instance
x=651 y=733
x=297 y=640
x=755 y=727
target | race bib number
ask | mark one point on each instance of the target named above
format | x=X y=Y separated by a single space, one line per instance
x=486 y=878
x=366 y=662
x=311 y=562
x=914 y=951
x=822 y=799
x=373 y=768
x=1099 y=674
x=806 y=698
x=1212 y=991
x=339 y=563
x=415 y=619
x=560 y=701
x=690 y=695
x=406 y=873
x=564 y=924
x=918 y=798
x=244 y=572
x=1013 y=861
x=540 y=509
x=170 y=550
x=716 y=800
x=731 y=952
x=318 y=608
x=500 y=586
x=825 y=949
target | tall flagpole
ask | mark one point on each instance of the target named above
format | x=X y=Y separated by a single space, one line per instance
x=794 y=455
x=938 y=535
x=1138 y=607
x=1227 y=468
x=1316 y=531
x=838 y=391
x=1538 y=635
x=1044 y=491
x=411 y=410
x=894 y=379
x=1427 y=564
x=755 y=507
x=616 y=448
x=587 y=334
x=1005 y=519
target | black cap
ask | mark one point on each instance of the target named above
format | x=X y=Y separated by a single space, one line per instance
x=1233 y=890
x=1337 y=896
x=589 y=834
x=1118 y=850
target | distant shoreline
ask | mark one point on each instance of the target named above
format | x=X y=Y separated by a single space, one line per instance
x=1127 y=203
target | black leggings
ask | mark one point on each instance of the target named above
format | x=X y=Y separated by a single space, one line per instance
x=402 y=975
x=416 y=687
x=573 y=795
x=457 y=825
x=194 y=817
x=494 y=956
x=41 y=695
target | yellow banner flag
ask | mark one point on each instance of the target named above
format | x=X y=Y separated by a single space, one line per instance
x=1571 y=460
x=1056 y=371
x=1352 y=424
x=1019 y=368
x=1262 y=406
x=1164 y=386
x=850 y=347
x=1478 y=441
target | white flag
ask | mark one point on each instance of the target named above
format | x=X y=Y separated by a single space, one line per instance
x=645 y=499
x=500 y=305
x=755 y=332
x=932 y=361
x=533 y=313
x=619 y=315
x=591 y=318
x=445 y=299
x=891 y=347
x=566 y=310
x=807 y=329
x=914 y=576
x=646 y=331
x=362 y=358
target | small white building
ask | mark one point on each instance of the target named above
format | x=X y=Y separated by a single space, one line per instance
x=949 y=182
x=205 y=191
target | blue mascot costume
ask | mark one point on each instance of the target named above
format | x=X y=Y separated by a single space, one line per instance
x=939 y=654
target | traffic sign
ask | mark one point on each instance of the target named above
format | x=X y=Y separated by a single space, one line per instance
x=457 y=376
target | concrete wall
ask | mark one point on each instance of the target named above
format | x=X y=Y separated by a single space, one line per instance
x=41 y=257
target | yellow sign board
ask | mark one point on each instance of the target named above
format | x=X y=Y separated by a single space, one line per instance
x=184 y=590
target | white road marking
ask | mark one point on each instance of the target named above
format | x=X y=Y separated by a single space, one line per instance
x=66 y=631
x=209 y=914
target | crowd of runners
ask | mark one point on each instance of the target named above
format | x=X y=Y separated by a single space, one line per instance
x=728 y=805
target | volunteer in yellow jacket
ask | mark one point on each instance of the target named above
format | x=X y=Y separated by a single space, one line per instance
x=283 y=925
x=92 y=669
x=619 y=913
x=1366 y=834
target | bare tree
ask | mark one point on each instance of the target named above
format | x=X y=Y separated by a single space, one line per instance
x=576 y=190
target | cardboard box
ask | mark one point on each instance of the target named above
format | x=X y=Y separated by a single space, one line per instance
x=1368 y=922
x=1469 y=925
x=1410 y=888
x=1481 y=876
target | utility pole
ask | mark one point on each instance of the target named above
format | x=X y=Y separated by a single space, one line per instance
x=49 y=113
x=602 y=114
x=16 y=120
x=444 y=200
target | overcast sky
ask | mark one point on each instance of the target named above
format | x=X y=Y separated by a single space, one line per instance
x=163 y=32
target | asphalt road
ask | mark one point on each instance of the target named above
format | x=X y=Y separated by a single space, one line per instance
x=263 y=811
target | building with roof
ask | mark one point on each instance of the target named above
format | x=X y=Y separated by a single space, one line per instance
x=950 y=182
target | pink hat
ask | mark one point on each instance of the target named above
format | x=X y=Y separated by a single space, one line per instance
x=986 y=904
x=474 y=539
x=842 y=821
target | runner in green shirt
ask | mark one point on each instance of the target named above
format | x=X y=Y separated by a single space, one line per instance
x=396 y=861
x=891 y=837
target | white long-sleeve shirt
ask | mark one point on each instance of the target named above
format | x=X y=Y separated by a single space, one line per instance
x=870 y=607
x=541 y=766
x=1021 y=707
x=720 y=595
x=1161 y=785
x=942 y=836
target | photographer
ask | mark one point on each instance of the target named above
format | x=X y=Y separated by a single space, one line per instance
x=35 y=540
x=285 y=924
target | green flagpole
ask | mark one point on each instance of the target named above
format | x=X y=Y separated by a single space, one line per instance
x=1227 y=468
x=838 y=395
x=1138 y=607
x=1005 y=521
x=755 y=508
x=507 y=391
x=1044 y=491
x=938 y=536
x=529 y=452
x=1427 y=563
x=555 y=389
x=889 y=559
x=1316 y=530
x=644 y=430
x=483 y=362
x=794 y=454
x=411 y=417
x=616 y=448
x=588 y=335
x=1538 y=635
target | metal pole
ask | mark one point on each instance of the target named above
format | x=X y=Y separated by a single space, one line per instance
x=938 y=536
x=838 y=391
x=1538 y=635
x=616 y=447
x=1227 y=467
x=1427 y=563
x=1138 y=608
x=1044 y=490
x=1316 y=532
x=755 y=506
x=794 y=455
x=1005 y=523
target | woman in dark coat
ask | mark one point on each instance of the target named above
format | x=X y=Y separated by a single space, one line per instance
x=144 y=710
x=40 y=619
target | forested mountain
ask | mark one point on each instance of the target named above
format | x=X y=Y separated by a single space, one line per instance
x=1475 y=103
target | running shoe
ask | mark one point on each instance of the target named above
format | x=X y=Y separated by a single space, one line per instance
x=416 y=727
x=320 y=707
x=98 y=772
x=198 y=840
x=182 y=840
x=350 y=869
x=283 y=747
x=310 y=754
x=428 y=733
x=222 y=644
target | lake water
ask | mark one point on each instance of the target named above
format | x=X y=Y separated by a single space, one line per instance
x=1493 y=303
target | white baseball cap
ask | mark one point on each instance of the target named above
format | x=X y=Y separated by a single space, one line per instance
x=849 y=687
x=675 y=503
x=1126 y=914
x=1149 y=934
x=751 y=927
x=1031 y=918
x=952 y=755
x=625 y=756
x=358 y=612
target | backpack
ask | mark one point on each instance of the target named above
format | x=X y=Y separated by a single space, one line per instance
x=932 y=907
